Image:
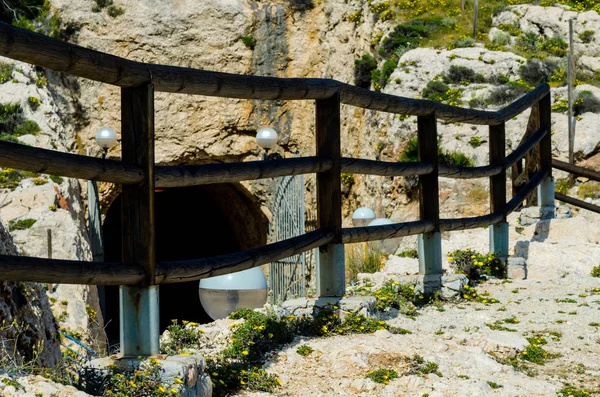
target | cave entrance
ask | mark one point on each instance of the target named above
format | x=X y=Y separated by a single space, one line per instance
x=191 y=223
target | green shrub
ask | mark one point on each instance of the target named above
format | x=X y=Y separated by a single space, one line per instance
x=418 y=366
x=535 y=71
x=436 y=90
x=363 y=68
x=112 y=10
x=304 y=350
x=475 y=141
x=477 y=103
x=586 y=36
x=183 y=337
x=461 y=75
x=403 y=36
x=6 y=71
x=507 y=93
x=145 y=381
x=528 y=42
x=10 y=178
x=383 y=376
x=56 y=179
x=381 y=78
x=11 y=115
x=562 y=185
x=248 y=41
x=586 y=102
x=458 y=159
x=27 y=127
x=21 y=224
x=590 y=189
x=554 y=46
x=34 y=103
x=414 y=254
x=501 y=38
x=355 y=17
x=34 y=15
x=595 y=271
x=474 y=264
x=463 y=42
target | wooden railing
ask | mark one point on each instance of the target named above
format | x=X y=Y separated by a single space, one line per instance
x=139 y=175
x=579 y=171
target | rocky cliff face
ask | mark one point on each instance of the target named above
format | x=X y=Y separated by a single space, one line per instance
x=28 y=332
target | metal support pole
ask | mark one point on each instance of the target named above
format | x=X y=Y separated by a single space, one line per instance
x=570 y=76
x=475 y=18
x=499 y=239
x=49 y=231
x=546 y=187
x=498 y=232
x=430 y=253
x=139 y=321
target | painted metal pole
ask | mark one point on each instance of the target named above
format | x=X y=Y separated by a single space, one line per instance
x=462 y=5
x=570 y=76
x=475 y=18
x=49 y=231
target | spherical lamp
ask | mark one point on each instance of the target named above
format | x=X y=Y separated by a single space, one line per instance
x=362 y=216
x=222 y=295
x=266 y=138
x=389 y=245
x=106 y=138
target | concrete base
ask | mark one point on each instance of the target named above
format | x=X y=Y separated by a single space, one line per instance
x=516 y=268
x=530 y=215
x=331 y=271
x=189 y=369
x=430 y=253
x=449 y=286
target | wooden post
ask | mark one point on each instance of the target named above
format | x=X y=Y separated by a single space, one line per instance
x=139 y=304
x=49 y=240
x=498 y=231
x=331 y=280
x=570 y=78
x=475 y=18
x=430 y=244
x=546 y=188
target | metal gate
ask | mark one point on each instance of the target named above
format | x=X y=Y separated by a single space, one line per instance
x=288 y=276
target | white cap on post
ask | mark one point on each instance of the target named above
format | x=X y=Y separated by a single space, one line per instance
x=362 y=216
x=106 y=138
x=266 y=138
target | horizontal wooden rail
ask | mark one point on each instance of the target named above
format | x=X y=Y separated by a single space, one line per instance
x=43 y=51
x=448 y=225
x=28 y=158
x=525 y=191
x=468 y=172
x=383 y=232
x=525 y=147
x=577 y=202
x=41 y=270
x=576 y=170
x=190 y=270
x=204 y=174
x=384 y=168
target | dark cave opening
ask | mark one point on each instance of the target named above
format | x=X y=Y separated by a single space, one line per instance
x=191 y=222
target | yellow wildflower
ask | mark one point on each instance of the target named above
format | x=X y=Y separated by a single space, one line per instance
x=162 y=389
x=178 y=381
x=245 y=353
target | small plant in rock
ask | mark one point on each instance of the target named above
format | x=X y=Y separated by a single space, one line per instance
x=363 y=68
x=182 y=337
x=587 y=36
x=144 y=381
x=248 y=41
x=474 y=264
x=585 y=102
x=383 y=376
x=355 y=17
x=463 y=42
x=556 y=46
x=535 y=354
x=461 y=75
x=21 y=224
x=595 y=271
x=493 y=385
x=40 y=181
x=363 y=258
x=414 y=254
x=111 y=9
x=475 y=141
x=6 y=71
x=590 y=189
x=536 y=71
x=304 y=350
x=56 y=179
x=34 y=102
x=418 y=366
x=572 y=391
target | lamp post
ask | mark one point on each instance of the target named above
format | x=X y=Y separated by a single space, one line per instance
x=266 y=138
x=363 y=216
x=106 y=138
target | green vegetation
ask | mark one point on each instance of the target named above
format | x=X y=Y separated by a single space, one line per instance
x=462 y=75
x=572 y=391
x=145 y=381
x=356 y=17
x=10 y=178
x=362 y=258
x=595 y=271
x=34 y=103
x=476 y=141
x=248 y=41
x=383 y=376
x=493 y=385
x=474 y=264
x=363 y=67
x=418 y=366
x=304 y=350
x=585 y=102
x=458 y=159
x=414 y=254
x=590 y=189
x=439 y=91
x=34 y=15
x=347 y=181
x=13 y=124
x=56 y=179
x=508 y=92
x=587 y=36
x=21 y=224
x=6 y=71
x=182 y=337
x=112 y=10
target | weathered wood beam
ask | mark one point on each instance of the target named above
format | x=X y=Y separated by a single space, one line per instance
x=525 y=147
x=525 y=191
x=576 y=202
x=448 y=225
x=203 y=174
x=576 y=170
x=42 y=270
x=469 y=172
x=384 y=168
x=190 y=270
x=28 y=158
x=383 y=232
x=37 y=49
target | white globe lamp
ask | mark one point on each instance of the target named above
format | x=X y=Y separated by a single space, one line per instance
x=388 y=246
x=266 y=138
x=106 y=138
x=362 y=216
x=222 y=295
